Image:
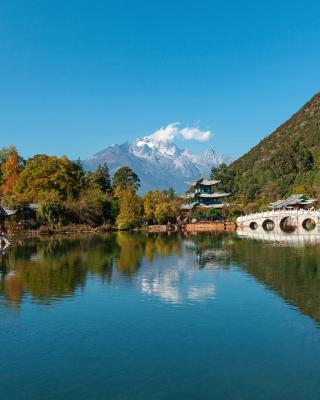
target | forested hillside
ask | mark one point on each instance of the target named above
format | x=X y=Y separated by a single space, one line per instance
x=287 y=161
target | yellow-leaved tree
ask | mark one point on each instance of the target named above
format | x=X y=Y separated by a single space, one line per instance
x=11 y=166
x=130 y=209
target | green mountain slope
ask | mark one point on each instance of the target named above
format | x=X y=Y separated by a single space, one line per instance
x=284 y=162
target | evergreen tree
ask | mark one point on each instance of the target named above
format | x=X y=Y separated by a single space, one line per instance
x=303 y=157
x=102 y=178
x=125 y=178
x=227 y=178
x=81 y=176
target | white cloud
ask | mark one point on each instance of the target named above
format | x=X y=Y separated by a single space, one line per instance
x=171 y=131
x=195 y=134
x=166 y=133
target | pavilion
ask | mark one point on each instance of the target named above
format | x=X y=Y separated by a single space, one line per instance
x=295 y=201
x=201 y=195
x=5 y=212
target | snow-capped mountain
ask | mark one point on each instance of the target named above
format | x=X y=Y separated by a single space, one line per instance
x=160 y=164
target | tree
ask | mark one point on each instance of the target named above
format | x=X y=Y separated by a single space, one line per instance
x=81 y=176
x=171 y=193
x=92 y=206
x=125 y=178
x=102 y=178
x=10 y=166
x=227 y=178
x=44 y=173
x=303 y=157
x=210 y=214
x=252 y=191
x=130 y=209
x=166 y=212
x=160 y=207
x=52 y=210
x=151 y=200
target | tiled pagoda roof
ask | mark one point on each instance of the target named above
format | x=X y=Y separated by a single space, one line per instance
x=204 y=182
x=295 y=199
x=6 y=212
x=214 y=195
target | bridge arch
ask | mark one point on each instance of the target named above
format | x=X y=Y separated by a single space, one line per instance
x=268 y=225
x=308 y=224
x=253 y=225
x=288 y=225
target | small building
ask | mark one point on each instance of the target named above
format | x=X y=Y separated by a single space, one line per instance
x=28 y=215
x=5 y=212
x=293 y=202
x=202 y=195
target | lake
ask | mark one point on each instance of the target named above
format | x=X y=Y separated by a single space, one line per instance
x=138 y=316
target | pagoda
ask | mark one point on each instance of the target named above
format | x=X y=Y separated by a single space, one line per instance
x=202 y=196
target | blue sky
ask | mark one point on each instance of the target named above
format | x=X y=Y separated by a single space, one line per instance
x=77 y=76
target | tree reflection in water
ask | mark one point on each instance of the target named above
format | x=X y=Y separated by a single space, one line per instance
x=291 y=271
x=48 y=269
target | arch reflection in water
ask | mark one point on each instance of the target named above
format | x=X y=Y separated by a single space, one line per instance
x=291 y=235
x=157 y=312
x=290 y=267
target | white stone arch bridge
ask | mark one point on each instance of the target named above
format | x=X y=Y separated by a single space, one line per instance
x=279 y=221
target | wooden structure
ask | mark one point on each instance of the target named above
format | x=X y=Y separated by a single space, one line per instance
x=294 y=202
x=214 y=226
x=5 y=212
x=202 y=195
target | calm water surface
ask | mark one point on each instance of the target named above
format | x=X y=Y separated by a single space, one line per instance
x=136 y=316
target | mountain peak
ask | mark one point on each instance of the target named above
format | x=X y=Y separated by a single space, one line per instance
x=158 y=161
x=155 y=146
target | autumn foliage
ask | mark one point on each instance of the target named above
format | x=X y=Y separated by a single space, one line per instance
x=65 y=194
x=11 y=165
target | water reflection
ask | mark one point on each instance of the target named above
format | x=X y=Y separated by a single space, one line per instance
x=176 y=283
x=291 y=271
x=49 y=269
x=176 y=269
x=277 y=236
x=211 y=250
x=287 y=262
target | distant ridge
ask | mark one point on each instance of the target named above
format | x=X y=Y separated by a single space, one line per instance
x=286 y=161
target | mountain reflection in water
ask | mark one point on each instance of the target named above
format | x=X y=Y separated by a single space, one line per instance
x=47 y=270
x=289 y=267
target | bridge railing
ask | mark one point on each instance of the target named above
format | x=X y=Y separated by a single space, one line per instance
x=274 y=213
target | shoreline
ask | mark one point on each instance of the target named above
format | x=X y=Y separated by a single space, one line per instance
x=214 y=226
x=210 y=226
